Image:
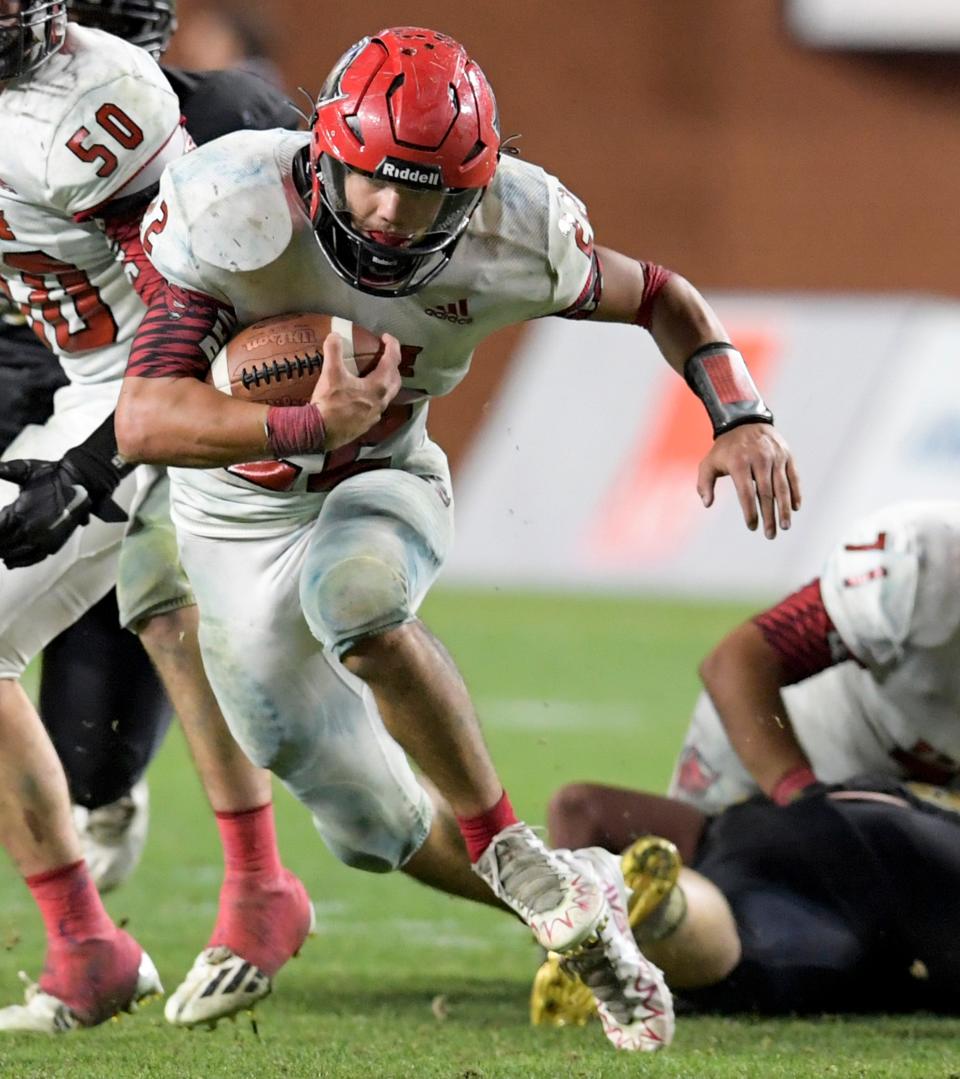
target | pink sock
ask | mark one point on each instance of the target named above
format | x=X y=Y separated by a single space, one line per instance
x=90 y=965
x=70 y=905
x=478 y=831
x=264 y=913
x=249 y=841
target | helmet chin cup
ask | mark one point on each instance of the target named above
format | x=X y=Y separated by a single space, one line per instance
x=374 y=268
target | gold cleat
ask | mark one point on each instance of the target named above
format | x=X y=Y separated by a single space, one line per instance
x=651 y=868
x=557 y=999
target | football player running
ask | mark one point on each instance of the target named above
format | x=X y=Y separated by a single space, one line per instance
x=102 y=121
x=396 y=201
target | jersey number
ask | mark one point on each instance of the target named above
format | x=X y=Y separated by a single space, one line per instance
x=71 y=292
x=115 y=122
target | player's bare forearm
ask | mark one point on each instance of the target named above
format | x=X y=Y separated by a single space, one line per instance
x=184 y=422
x=681 y=320
x=746 y=448
x=743 y=676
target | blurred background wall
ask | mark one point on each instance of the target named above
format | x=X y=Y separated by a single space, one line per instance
x=697 y=131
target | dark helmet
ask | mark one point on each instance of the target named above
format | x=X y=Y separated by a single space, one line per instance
x=30 y=31
x=405 y=107
x=147 y=23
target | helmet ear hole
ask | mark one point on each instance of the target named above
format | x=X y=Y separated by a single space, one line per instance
x=475 y=151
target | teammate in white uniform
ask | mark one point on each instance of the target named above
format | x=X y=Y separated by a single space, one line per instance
x=857 y=672
x=315 y=576
x=87 y=123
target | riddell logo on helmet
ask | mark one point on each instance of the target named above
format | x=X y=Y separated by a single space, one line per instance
x=402 y=173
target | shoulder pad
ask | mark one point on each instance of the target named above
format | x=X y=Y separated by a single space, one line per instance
x=227 y=208
x=118 y=117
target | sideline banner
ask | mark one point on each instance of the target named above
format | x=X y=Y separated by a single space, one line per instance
x=584 y=473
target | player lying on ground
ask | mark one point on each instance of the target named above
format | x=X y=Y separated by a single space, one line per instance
x=834 y=903
x=397 y=200
x=86 y=124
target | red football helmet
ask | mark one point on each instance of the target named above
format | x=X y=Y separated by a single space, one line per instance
x=30 y=31
x=407 y=107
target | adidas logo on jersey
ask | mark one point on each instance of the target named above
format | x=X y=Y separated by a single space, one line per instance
x=456 y=313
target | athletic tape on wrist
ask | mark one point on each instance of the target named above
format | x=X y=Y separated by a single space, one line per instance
x=788 y=786
x=293 y=430
x=718 y=376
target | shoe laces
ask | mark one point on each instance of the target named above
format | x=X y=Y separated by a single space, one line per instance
x=608 y=971
x=528 y=872
x=108 y=824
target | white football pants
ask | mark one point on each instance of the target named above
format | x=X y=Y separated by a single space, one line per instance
x=274 y=614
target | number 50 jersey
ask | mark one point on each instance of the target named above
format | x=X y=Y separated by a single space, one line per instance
x=96 y=122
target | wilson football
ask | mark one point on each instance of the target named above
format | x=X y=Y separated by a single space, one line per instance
x=277 y=361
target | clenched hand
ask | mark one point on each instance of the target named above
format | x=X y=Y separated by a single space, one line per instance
x=351 y=404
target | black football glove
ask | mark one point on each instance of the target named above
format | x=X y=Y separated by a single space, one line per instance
x=56 y=497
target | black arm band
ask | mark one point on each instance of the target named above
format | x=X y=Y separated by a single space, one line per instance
x=718 y=376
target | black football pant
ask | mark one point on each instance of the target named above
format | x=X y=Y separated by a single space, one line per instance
x=841 y=907
x=103 y=705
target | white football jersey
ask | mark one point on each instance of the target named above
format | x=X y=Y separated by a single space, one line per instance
x=97 y=121
x=229 y=222
x=892 y=590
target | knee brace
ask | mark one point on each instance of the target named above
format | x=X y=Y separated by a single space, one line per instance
x=356 y=585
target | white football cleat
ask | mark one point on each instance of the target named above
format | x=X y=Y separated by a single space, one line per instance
x=113 y=836
x=42 y=1013
x=219 y=984
x=633 y=1001
x=562 y=902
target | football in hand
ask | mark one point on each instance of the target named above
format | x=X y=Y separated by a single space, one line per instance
x=277 y=361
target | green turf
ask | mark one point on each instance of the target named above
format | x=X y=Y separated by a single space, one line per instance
x=404 y=982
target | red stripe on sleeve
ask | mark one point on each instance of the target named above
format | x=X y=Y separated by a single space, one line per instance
x=802 y=634
x=654 y=278
x=180 y=335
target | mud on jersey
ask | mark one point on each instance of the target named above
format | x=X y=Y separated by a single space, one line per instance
x=97 y=121
x=229 y=223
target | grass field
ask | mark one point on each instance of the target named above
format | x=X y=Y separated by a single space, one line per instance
x=404 y=982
